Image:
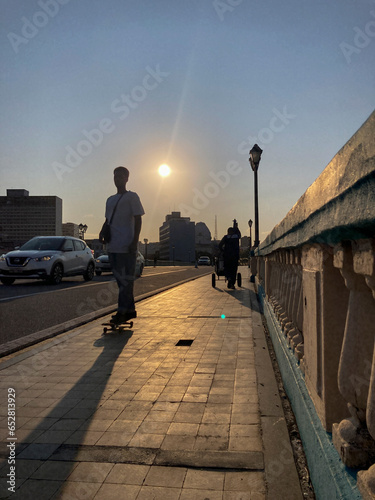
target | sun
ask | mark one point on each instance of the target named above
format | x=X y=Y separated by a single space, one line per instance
x=164 y=170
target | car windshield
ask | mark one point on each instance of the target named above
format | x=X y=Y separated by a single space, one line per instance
x=43 y=244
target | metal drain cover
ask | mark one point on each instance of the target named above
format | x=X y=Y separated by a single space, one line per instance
x=185 y=342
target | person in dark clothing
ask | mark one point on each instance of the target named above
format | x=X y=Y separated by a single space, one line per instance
x=230 y=247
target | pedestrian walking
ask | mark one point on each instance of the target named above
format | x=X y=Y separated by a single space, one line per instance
x=124 y=211
x=230 y=247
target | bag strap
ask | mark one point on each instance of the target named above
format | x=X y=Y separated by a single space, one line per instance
x=114 y=210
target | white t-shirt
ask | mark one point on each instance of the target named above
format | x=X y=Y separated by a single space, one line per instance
x=122 y=225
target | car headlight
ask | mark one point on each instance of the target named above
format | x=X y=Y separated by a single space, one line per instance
x=44 y=258
x=2 y=258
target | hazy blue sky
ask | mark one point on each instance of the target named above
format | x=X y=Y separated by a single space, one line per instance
x=88 y=85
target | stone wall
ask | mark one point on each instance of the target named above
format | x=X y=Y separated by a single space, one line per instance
x=317 y=268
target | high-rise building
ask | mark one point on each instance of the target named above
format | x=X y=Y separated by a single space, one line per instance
x=22 y=217
x=177 y=238
x=203 y=242
x=70 y=229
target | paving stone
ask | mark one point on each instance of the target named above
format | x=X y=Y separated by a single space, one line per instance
x=92 y=472
x=204 y=480
x=77 y=490
x=128 y=474
x=144 y=414
x=156 y=493
x=117 y=491
x=171 y=477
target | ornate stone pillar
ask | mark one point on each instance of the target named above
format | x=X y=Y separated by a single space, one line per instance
x=325 y=301
x=351 y=436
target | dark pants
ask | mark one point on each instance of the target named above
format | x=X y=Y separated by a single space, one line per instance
x=123 y=268
x=230 y=269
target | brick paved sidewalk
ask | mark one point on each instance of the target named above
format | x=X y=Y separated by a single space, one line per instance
x=134 y=415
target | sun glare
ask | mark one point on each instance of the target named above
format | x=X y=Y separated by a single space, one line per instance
x=164 y=170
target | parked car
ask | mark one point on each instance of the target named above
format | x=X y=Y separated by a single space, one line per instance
x=102 y=264
x=140 y=264
x=204 y=261
x=49 y=258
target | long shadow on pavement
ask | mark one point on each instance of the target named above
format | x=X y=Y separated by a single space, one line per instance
x=76 y=408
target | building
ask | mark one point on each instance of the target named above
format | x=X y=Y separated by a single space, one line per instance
x=203 y=242
x=177 y=238
x=22 y=217
x=70 y=229
x=245 y=242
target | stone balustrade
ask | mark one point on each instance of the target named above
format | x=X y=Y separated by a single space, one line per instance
x=317 y=270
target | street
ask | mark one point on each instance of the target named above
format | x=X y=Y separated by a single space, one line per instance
x=31 y=306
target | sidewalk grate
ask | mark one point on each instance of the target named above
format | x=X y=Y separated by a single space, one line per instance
x=185 y=342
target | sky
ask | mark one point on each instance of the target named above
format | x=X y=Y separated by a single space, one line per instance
x=89 y=85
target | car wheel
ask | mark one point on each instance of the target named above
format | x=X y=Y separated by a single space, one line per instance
x=89 y=273
x=98 y=273
x=56 y=275
x=7 y=281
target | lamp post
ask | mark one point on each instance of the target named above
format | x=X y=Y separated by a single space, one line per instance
x=250 y=226
x=145 y=241
x=82 y=229
x=255 y=154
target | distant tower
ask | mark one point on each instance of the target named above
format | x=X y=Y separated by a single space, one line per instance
x=215 y=236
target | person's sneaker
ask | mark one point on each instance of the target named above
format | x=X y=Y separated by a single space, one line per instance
x=119 y=318
x=131 y=315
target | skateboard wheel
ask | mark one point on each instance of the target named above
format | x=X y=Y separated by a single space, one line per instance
x=131 y=324
x=105 y=330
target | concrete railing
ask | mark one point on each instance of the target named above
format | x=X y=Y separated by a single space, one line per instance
x=317 y=271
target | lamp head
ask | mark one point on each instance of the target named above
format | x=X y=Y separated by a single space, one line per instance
x=255 y=154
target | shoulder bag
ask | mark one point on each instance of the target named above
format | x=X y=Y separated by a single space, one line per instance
x=105 y=233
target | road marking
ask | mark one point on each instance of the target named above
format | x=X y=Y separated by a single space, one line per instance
x=7 y=299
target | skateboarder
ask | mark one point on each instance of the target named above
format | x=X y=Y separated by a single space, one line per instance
x=126 y=225
x=230 y=246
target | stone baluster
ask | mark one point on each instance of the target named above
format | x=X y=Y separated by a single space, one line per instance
x=295 y=334
x=276 y=292
x=364 y=263
x=280 y=311
x=351 y=436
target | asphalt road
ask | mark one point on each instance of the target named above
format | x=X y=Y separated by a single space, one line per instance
x=31 y=306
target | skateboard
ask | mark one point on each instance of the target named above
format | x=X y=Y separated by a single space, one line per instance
x=113 y=327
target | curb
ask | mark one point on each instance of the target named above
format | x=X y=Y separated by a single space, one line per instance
x=34 y=338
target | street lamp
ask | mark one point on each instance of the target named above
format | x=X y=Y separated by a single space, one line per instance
x=255 y=154
x=250 y=226
x=82 y=229
x=145 y=241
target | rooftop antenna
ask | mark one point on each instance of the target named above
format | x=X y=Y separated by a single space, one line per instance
x=215 y=236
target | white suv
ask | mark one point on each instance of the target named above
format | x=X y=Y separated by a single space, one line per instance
x=49 y=258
